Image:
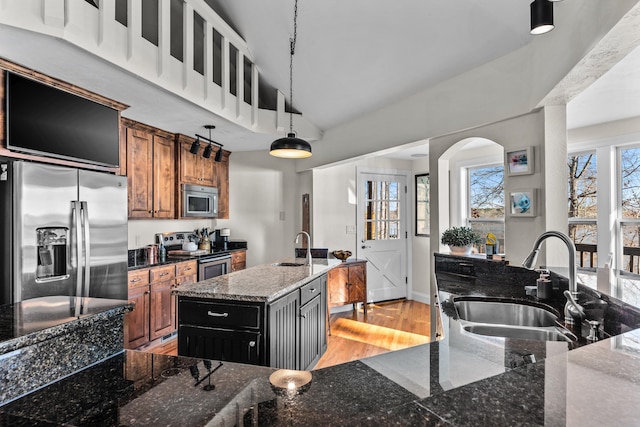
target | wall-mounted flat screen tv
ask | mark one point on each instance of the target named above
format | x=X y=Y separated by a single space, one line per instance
x=41 y=119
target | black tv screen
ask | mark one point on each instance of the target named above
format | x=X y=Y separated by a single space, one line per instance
x=43 y=120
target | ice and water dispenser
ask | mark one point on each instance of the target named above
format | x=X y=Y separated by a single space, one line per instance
x=52 y=253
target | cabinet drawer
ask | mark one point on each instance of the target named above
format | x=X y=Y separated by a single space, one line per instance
x=181 y=280
x=201 y=313
x=309 y=291
x=160 y=274
x=138 y=278
x=186 y=268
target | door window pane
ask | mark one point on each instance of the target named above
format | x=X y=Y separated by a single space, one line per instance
x=382 y=210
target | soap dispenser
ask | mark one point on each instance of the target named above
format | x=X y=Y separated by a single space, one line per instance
x=544 y=285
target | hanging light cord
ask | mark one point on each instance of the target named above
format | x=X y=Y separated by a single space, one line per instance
x=292 y=51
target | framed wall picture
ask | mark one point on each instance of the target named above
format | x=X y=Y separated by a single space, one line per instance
x=522 y=203
x=519 y=162
x=422 y=204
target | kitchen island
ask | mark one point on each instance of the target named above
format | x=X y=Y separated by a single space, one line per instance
x=460 y=380
x=273 y=315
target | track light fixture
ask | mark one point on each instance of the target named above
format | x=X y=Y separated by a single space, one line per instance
x=195 y=147
x=541 y=16
x=291 y=147
x=209 y=148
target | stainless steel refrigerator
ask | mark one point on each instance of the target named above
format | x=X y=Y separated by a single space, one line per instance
x=64 y=232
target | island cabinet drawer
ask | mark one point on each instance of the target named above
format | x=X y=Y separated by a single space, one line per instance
x=310 y=291
x=204 y=313
x=138 y=278
x=161 y=274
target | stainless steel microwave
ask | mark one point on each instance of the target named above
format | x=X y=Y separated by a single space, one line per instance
x=199 y=201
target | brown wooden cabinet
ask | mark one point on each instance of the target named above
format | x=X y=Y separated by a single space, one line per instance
x=223 y=186
x=155 y=312
x=238 y=260
x=348 y=284
x=151 y=170
x=193 y=168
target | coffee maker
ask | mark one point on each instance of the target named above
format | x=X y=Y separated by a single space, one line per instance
x=222 y=239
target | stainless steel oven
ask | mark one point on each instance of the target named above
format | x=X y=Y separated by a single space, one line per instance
x=212 y=266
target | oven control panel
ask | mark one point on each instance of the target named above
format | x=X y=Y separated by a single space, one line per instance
x=176 y=238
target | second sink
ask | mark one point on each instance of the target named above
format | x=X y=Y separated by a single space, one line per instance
x=504 y=313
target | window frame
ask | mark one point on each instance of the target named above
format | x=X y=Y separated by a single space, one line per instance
x=427 y=200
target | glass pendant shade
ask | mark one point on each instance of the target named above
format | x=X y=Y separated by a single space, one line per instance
x=290 y=147
x=541 y=16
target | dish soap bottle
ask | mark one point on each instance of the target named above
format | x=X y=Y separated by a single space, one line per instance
x=544 y=285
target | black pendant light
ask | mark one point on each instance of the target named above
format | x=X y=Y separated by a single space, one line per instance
x=209 y=149
x=195 y=146
x=291 y=147
x=218 y=157
x=541 y=16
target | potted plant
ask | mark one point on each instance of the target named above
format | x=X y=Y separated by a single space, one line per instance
x=460 y=239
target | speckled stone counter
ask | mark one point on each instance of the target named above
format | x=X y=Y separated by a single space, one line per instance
x=263 y=283
x=44 y=339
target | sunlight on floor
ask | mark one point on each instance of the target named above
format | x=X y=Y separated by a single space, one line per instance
x=390 y=339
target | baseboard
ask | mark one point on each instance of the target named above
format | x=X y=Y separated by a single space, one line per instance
x=421 y=297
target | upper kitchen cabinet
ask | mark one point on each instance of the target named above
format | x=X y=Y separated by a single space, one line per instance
x=222 y=183
x=151 y=170
x=194 y=168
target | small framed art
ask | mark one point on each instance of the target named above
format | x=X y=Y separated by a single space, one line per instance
x=519 y=162
x=522 y=203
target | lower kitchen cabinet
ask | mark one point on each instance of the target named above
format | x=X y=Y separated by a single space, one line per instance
x=238 y=260
x=154 y=314
x=287 y=333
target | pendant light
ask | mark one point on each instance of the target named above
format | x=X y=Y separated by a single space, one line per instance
x=195 y=146
x=291 y=147
x=209 y=149
x=541 y=16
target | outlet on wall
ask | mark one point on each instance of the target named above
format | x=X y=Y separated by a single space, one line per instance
x=351 y=229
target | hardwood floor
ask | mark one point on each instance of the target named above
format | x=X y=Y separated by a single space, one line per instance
x=388 y=326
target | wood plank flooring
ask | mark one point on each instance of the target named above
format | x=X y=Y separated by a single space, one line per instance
x=387 y=326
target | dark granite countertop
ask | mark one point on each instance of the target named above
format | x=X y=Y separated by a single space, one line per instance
x=262 y=283
x=140 y=264
x=460 y=380
x=38 y=319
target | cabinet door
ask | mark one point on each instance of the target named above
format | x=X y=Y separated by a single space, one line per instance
x=163 y=177
x=358 y=283
x=283 y=332
x=338 y=286
x=223 y=186
x=139 y=174
x=220 y=344
x=238 y=260
x=137 y=321
x=162 y=310
x=311 y=330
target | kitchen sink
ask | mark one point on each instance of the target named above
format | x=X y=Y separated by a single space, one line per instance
x=538 y=334
x=504 y=313
x=510 y=319
x=288 y=264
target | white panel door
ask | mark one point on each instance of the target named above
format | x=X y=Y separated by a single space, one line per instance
x=382 y=233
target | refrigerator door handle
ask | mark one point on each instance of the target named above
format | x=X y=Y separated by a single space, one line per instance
x=87 y=248
x=77 y=224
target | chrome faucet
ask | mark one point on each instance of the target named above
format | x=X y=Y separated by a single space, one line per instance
x=571 y=308
x=308 y=262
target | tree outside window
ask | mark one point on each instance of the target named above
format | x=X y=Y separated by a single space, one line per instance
x=583 y=207
x=486 y=201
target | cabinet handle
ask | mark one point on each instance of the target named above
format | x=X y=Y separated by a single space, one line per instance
x=147 y=292
x=164 y=274
x=304 y=316
x=212 y=314
x=188 y=269
x=252 y=343
x=312 y=290
x=134 y=280
x=150 y=211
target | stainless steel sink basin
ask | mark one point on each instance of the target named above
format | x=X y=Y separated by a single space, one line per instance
x=539 y=334
x=510 y=319
x=504 y=313
x=287 y=264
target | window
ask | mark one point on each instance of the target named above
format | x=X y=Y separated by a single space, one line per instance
x=150 y=20
x=486 y=201
x=422 y=205
x=583 y=207
x=198 y=43
x=629 y=208
x=382 y=210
